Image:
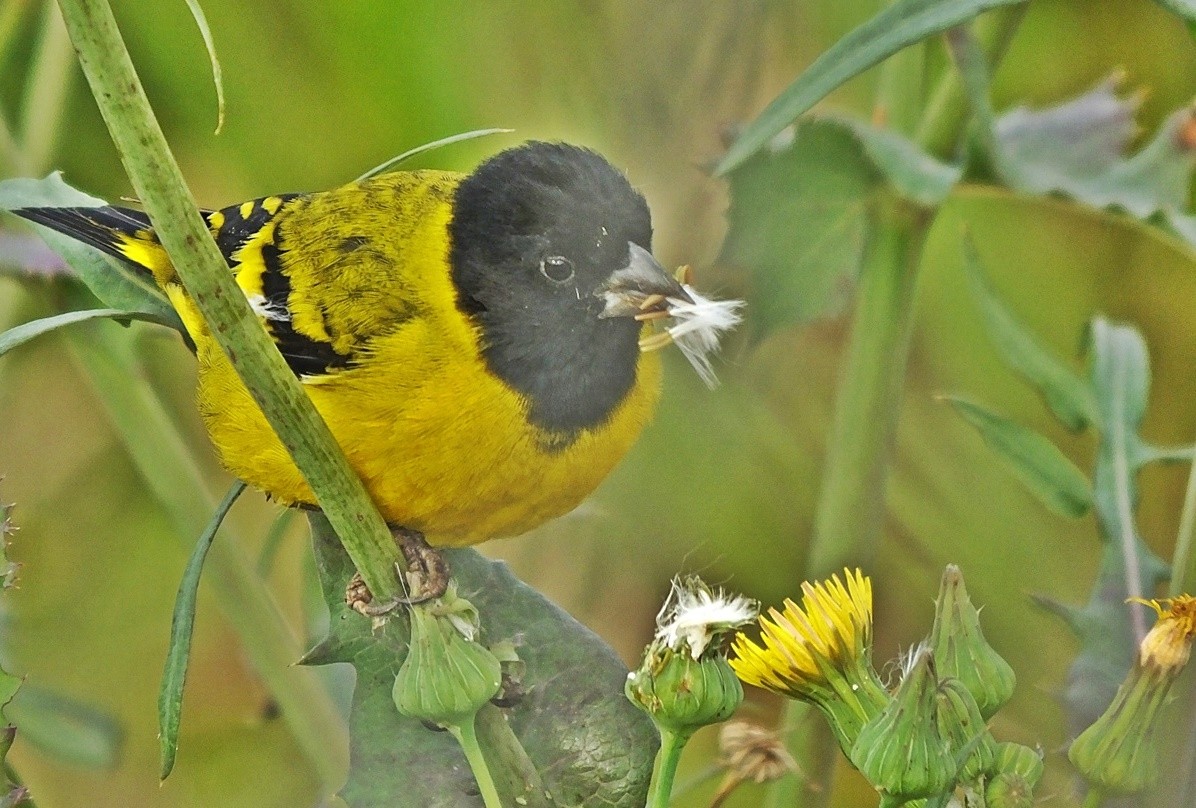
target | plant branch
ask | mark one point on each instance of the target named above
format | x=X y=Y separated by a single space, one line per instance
x=159 y=185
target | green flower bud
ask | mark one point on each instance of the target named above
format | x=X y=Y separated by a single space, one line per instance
x=959 y=722
x=681 y=693
x=447 y=676
x=960 y=650
x=901 y=751
x=1118 y=752
x=1022 y=761
x=1008 y=791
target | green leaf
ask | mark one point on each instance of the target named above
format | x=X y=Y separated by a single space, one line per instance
x=178 y=653
x=801 y=215
x=898 y=25
x=591 y=746
x=393 y=162
x=1077 y=147
x=1037 y=462
x=1061 y=147
x=117 y=284
x=21 y=334
x=799 y=221
x=911 y=172
x=1065 y=392
x=1120 y=374
x=64 y=728
x=217 y=78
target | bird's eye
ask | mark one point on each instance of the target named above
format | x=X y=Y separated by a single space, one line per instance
x=557 y=268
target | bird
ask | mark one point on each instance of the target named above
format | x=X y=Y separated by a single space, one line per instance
x=473 y=341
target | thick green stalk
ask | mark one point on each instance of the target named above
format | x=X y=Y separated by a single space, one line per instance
x=168 y=467
x=509 y=761
x=159 y=184
x=851 y=502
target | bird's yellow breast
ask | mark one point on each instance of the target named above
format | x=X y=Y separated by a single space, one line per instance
x=442 y=444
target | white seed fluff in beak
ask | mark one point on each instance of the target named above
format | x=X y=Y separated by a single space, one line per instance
x=696 y=327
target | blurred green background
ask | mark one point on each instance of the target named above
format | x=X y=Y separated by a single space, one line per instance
x=723 y=483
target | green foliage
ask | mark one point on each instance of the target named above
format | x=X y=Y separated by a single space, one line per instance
x=803 y=211
x=1120 y=380
x=1037 y=462
x=1070 y=398
x=590 y=745
x=182 y=624
x=116 y=284
x=897 y=26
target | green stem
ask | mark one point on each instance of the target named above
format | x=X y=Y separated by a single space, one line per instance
x=168 y=467
x=45 y=93
x=851 y=503
x=671 y=746
x=947 y=104
x=159 y=185
x=1183 y=576
x=1093 y=798
x=467 y=737
x=519 y=778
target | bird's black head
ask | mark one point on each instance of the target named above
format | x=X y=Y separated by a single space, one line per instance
x=550 y=251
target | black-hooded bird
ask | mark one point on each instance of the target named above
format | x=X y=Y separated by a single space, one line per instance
x=472 y=341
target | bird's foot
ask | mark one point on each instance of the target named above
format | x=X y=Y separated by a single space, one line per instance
x=426 y=577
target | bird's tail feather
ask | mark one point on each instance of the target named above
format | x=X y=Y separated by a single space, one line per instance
x=120 y=232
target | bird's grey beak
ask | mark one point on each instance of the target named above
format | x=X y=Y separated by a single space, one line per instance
x=641 y=286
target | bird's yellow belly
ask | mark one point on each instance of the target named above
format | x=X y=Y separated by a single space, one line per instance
x=442 y=445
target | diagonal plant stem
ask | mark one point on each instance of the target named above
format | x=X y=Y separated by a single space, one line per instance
x=159 y=185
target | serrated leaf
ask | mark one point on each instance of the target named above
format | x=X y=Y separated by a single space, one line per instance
x=898 y=25
x=1037 y=462
x=64 y=728
x=1057 y=147
x=1077 y=147
x=19 y=335
x=1068 y=395
x=798 y=222
x=800 y=213
x=913 y=173
x=115 y=283
x=590 y=745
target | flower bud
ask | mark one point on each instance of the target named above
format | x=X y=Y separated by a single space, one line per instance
x=901 y=751
x=1118 y=753
x=1016 y=772
x=447 y=676
x=960 y=724
x=681 y=693
x=960 y=650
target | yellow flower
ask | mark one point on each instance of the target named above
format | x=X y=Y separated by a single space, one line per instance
x=1169 y=644
x=820 y=652
x=833 y=625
